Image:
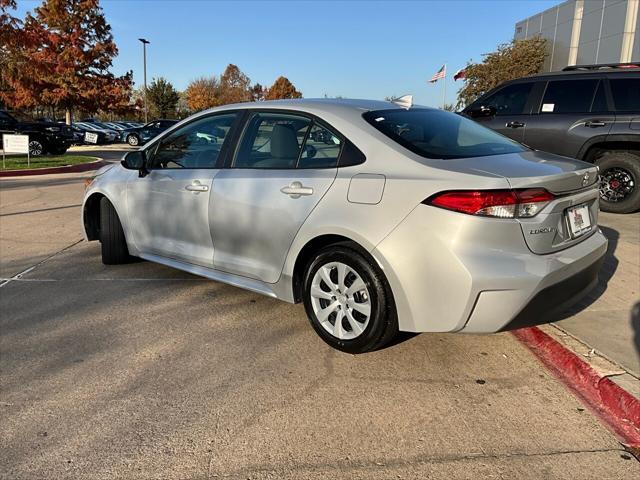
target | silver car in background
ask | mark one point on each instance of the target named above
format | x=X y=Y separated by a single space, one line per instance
x=378 y=218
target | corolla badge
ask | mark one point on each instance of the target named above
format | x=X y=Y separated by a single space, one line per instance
x=541 y=230
x=585 y=180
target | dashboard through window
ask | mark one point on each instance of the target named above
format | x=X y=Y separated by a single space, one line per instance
x=195 y=145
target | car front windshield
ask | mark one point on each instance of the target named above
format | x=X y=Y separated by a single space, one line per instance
x=439 y=134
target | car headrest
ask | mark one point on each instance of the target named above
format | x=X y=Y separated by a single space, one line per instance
x=284 y=143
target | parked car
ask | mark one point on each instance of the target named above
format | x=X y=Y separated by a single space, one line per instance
x=80 y=132
x=413 y=219
x=44 y=137
x=591 y=113
x=109 y=135
x=140 y=135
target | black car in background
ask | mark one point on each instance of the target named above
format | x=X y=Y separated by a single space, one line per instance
x=44 y=137
x=589 y=112
x=141 y=135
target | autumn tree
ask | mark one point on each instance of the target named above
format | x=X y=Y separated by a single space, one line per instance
x=203 y=93
x=235 y=86
x=67 y=51
x=511 y=60
x=10 y=36
x=162 y=97
x=282 y=88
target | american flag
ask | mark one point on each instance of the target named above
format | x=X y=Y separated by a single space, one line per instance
x=439 y=74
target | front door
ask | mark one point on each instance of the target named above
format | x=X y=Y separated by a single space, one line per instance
x=284 y=165
x=169 y=207
x=571 y=113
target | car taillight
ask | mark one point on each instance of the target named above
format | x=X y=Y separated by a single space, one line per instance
x=522 y=203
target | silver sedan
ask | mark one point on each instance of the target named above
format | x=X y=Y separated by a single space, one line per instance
x=377 y=216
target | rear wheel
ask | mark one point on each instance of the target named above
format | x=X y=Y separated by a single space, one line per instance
x=133 y=140
x=114 y=245
x=348 y=301
x=58 y=150
x=619 y=177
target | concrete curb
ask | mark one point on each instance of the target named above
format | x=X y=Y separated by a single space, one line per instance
x=80 y=167
x=616 y=407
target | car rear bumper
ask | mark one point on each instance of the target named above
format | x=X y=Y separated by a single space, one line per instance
x=452 y=272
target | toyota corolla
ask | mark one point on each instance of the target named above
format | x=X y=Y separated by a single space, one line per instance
x=378 y=216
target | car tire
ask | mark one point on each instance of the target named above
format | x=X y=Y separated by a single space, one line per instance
x=619 y=182
x=356 y=332
x=112 y=240
x=133 y=140
x=59 y=150
x=36 y=148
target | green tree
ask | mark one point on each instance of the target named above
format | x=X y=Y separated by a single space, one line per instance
x=162 y=98
x=282 y=88
x=235 y=86
x=516 y=59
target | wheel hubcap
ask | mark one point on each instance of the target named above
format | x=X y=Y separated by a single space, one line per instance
x=340 y=300
x=35 y=148
x=616 y=184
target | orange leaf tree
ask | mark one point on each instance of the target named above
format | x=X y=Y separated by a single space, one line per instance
x=282 y=88
x=203 y=93
x=67 y=52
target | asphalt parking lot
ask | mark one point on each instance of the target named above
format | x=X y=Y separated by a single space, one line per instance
x=141 y=371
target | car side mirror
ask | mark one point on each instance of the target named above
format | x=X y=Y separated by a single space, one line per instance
x=136 y=160
x=482 y=111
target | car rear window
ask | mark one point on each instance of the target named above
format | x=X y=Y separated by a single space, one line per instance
x=626 y=94
x=438 y=134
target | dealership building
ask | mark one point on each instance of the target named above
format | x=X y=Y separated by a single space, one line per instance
x=586 y=32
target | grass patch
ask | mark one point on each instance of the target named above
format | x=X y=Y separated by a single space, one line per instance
x=43 y=161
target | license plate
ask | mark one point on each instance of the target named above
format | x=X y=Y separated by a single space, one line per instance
x=579 y=220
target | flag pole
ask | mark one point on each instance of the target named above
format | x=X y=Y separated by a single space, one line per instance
x=444 y=86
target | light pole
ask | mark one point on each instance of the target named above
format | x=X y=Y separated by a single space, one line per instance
x=144 y=57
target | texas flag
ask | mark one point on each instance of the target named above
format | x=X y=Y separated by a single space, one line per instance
x=459 y=74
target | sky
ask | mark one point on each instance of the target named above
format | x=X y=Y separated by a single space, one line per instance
x=353 y=49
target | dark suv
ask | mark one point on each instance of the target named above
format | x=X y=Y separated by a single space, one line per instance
x=44 y=137
x=587 y=112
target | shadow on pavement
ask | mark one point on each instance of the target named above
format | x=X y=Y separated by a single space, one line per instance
x=607 y=271
x=635 y=325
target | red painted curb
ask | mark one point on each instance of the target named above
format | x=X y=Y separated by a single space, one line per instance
x=80 y=167
x=617 y=408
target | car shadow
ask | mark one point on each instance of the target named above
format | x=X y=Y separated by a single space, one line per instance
x=609 y=267
x=635 y=325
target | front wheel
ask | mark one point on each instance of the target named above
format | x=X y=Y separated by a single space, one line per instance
x=112 y=240
x=133 y=140
x=36 y=148
x=619 y=177
x=348 y=301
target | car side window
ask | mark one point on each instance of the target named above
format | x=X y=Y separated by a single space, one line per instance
x=568 y=96
x=195 y=145
x=272 y=140
x=510 y=100
x=626 y=94
x=321 y=150
x=600 y=100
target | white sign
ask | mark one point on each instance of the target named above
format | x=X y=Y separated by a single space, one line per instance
x=15 y=143
x=91 y=137
x=548 y=107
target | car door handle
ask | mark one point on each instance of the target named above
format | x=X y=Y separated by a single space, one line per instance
x=594 y=124
x=296 y=190
x=196 y=187
x=514 y=124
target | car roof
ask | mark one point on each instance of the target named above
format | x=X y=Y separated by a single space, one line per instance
x=318 y=105
x=572 y=73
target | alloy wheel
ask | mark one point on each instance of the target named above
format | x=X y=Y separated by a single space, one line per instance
x=340 y=300
x=132 y=140
x=35 y=148
x=616 y=184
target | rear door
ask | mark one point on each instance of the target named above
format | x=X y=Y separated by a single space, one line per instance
x=512 y=104
x=625 y=90
x=572 y=112
x=284 y=164
x=169 y=208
